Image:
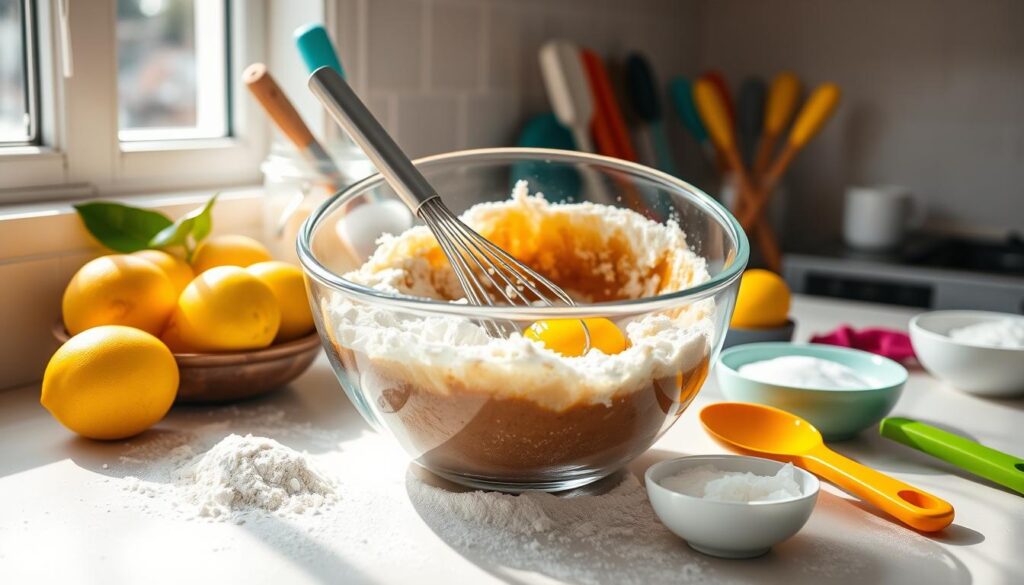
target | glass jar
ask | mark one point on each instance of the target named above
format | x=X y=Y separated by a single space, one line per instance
x=293 y=188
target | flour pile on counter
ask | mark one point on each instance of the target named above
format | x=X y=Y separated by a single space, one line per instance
x=241 y=475
x=253 y=473
x=1004 y=333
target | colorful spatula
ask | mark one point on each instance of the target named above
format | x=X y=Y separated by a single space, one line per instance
x=996 y=466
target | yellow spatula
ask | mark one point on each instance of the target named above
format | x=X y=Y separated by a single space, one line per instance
x=715 y=114
x=812 y=117
x=783 y=96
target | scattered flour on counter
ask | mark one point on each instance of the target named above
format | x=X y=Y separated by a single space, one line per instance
x=1004 y=333
x=237 y=476
x=711 y=483
x=610 y=537
x=802 y=371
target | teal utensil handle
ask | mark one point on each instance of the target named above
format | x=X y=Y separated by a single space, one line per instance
x=316 y=48
x=662 y=151
x=999 y=467
x=681 y=96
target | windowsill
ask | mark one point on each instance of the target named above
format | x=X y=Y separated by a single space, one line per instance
x=178 y=144
x=40 y=229
x=21 y=152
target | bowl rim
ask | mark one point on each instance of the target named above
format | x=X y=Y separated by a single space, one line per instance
x=815 y=483
x=904 y=374
x=730 y=274
x=916 y=326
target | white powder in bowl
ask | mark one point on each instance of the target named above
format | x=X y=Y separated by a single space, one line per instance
x=711 y=483
x=800 y=371
x=1005 y=333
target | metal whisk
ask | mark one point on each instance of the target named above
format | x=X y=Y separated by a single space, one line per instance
x=487 y=273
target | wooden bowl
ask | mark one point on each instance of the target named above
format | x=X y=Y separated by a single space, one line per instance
x=224 y=377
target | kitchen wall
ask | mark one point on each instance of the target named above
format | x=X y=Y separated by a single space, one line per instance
x=451 y=74
x=933 y=99
x=933 y=89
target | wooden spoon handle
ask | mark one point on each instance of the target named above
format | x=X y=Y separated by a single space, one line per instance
x=752 y=213
x=812 y=118
x=763 y=156
x=277 y=105
x=912 y=506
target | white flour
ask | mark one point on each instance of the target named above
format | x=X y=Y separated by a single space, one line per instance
x=802 y=371
x=611 y=537
x=240 y=475
x=711 y=483
x=253 y=473
x=1004 y=333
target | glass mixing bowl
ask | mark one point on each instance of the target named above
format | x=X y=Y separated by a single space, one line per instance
x=485 y=419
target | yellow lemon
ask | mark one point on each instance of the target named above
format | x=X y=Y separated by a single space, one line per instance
x=289 y=287
x=229 y=250
x=110 y=382
x=118 y=290
x=175 y=268
x=762 y=301
x=226 y=309
x=172 y=339
x=566 y=336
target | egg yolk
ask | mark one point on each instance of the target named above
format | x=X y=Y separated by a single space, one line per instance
x=566 y=336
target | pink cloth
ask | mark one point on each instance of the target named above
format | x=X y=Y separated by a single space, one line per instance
x=889 y=343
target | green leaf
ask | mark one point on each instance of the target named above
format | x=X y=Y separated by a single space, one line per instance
x=121 y=228
x=175 y=234
x=203 y=222
x=196 y=223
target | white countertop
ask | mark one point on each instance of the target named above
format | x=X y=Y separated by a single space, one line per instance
x=64 y=514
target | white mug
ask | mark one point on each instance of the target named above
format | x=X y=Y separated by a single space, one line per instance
x=878 y=218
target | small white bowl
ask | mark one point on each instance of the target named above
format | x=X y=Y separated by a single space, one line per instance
x=987 y=371
x=732 y=530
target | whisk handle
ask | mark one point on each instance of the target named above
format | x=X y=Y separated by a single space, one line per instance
x=352 y=115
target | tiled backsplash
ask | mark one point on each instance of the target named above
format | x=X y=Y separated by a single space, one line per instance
x=933 y=100
x=452 y=74
x=933 y=90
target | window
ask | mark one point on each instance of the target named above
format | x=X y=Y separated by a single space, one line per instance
x=172 y=64
x=111 y=97
x=18 y=118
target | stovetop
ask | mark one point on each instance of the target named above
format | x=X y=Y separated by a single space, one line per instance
x=928 y=272
x=1005 y=257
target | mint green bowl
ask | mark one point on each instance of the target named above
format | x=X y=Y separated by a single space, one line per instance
x=838 y=414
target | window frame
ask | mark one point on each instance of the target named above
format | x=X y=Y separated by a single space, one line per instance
x=80 y=152
x=29 y=61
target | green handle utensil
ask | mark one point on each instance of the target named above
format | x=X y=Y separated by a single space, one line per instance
x=999 y=467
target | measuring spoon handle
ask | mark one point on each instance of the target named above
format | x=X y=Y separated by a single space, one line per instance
x=1002 y=468
x=912 y=506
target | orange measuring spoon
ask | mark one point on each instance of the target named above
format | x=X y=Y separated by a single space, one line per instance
x=764 y=431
